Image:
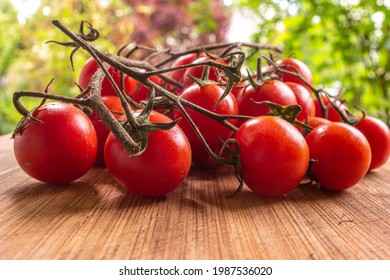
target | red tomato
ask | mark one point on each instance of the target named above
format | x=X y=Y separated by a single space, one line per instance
x=378 y=135
x=113 y=103
x=305 y=100
x=295 y=65
x=91 y=66
x=213 y=131
x=178 y=75
x=313 y=122
x=274 y=155
x=274 y=91
x=173 y=88
x=342 y=154
x=333 y=115
x=317 y=121
x=59 y=150
x=207 y=97
x=239 y=88
x=160 y=169
x=141 y=92
x=214 y=74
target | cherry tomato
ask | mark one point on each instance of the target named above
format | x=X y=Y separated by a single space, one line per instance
x=274 y=155
x=313 y=122
x=239 y=88
x=214 y=74
x=113 y=103
x=207 y=97
x=160 y=169
x=304 y=99
x=378 y=135
x=178 y=75
x=213 y=132
x=332 y=115
x=295 y=65
x=91 y=66
x=173 y=88
x=341 y=153
x=59 y=150
x=141 y=92
x=274 y=91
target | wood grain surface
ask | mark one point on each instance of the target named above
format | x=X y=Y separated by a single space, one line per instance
x=94 y=218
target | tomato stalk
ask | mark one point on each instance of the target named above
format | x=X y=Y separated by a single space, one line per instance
x=123 y=65
x=133 y=132
x=92 y=35
x=226 y=47
x=345 y=115
x=91 y=100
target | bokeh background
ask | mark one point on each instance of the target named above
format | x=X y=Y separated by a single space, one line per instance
x=346 y=43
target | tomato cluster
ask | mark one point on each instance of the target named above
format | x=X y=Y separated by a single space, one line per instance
x=271 y=126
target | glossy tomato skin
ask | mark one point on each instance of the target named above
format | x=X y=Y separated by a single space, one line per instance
x=313 y=122
x=207 y=97
x=378 y=135
x=59 y=150
x=113 y=103
x=317 y=121
x=304 y=100
x=141 y=92
x=341 y=153
x=91 y=66
x=197 y=71
x=274 y=155
x=292 y=64
x=274 y=91
x=160 y=169
x=178 y=75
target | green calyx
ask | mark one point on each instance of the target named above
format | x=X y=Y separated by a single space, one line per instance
x=288 y=113
x=144 y=127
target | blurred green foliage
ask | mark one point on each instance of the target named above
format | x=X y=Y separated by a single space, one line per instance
x=346 y=43
x=28 y=63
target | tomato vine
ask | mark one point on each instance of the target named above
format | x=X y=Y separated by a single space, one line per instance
x=143 y=64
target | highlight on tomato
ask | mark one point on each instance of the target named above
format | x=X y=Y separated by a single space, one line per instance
x=341 y=155
x=197 y=71
x=296 y=66
x=178 y=75
x=60 y=147
x=274 y=155
x=160 y=169
x=207 y=97
x=317 y=121
x=304 y=100
x=273 y=91
x=378 y=136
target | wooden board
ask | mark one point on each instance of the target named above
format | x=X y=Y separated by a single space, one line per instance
x=94 y=218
